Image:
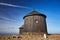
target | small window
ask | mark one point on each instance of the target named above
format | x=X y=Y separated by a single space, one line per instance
x=36 y=21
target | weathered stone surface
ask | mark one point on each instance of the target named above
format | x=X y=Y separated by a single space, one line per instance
x=34 y=22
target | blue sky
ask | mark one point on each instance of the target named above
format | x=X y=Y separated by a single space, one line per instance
x=12 y=12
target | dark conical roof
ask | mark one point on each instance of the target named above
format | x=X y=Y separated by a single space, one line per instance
x=34 y=13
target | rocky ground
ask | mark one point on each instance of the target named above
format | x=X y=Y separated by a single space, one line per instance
x=29 y=36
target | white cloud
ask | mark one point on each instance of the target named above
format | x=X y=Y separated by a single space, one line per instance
x=14 y=5
x=5 y=18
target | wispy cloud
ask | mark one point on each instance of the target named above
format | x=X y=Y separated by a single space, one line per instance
x=14 y=5
x=5 y=18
